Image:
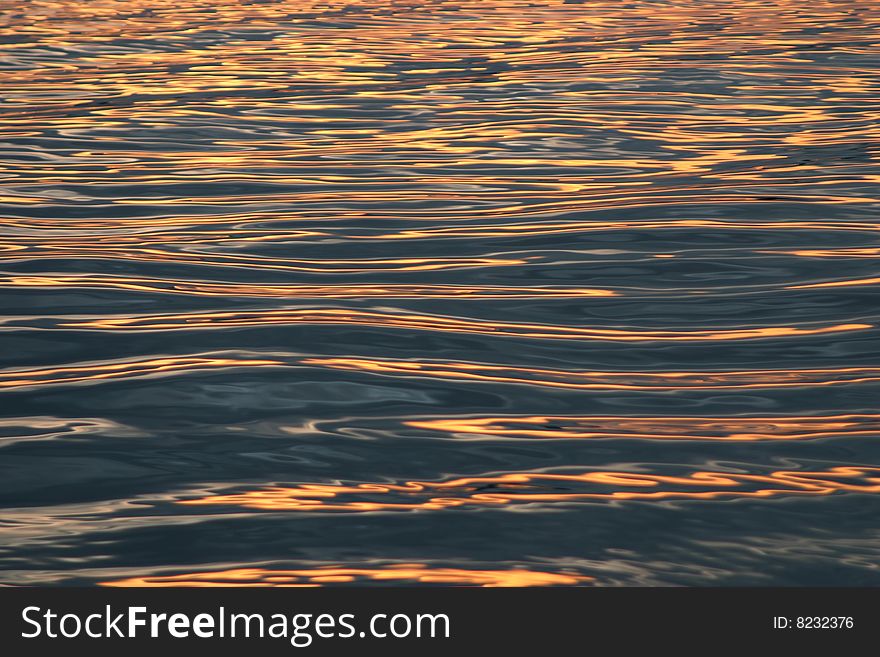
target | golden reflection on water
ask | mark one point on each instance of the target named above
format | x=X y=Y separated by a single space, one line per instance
x=579 y=380
x=392 y=574
x=302 y=291
x=96 y=372
x=517 y=488
x=659 y=428
x=104 y=371
x=442 y=324
x=863 y=281
x=552 y=228
x=281 y=264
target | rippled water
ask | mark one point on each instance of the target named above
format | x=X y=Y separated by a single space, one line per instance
x=477 y=291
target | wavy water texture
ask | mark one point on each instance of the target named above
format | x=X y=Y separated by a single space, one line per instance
x=261 y=577
x=439 y=292
x=530 y=488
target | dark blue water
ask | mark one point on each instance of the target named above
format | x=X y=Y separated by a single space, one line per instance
x=471 y=292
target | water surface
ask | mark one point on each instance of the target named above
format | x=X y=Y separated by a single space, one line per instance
x=484 y=292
